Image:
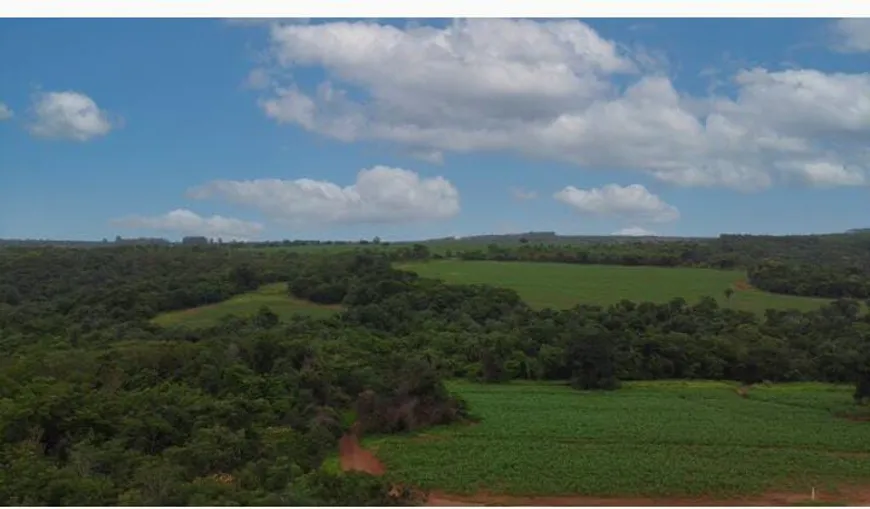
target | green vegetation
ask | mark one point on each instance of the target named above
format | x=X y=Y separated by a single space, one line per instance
x=561 y=286
x=101 y=405
x=274 y=296
x=648 y=439
x=830 y=266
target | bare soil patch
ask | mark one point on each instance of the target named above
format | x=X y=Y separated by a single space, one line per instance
x=354 y=457
x=742 y=285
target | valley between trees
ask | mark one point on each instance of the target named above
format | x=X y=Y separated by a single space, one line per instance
x=125 y=382
x=562 y=286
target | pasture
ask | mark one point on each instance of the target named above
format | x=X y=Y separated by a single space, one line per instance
x=649 y=439
x=561 y=286
x=272 y=295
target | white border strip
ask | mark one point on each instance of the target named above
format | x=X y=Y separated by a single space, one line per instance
x=433 y=8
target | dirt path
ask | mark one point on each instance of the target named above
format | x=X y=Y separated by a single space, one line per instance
x=354 y=457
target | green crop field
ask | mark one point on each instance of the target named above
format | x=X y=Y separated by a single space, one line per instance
x=560 y=286
x=273 y=295
x=653 y=439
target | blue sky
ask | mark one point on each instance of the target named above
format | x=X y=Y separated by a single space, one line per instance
x=421 y=128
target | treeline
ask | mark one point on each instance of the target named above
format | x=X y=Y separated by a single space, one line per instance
x=829 y=266
x=490 y=334
x=810 y=280
x=57 y=290
x=658 y=254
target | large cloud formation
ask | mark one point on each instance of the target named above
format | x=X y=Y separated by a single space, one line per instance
x=558 y=90
x=379 y=195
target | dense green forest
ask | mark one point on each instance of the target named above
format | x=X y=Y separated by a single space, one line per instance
x=489 y=334
x=100 y=407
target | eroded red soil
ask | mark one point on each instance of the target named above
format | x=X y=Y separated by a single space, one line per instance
x=354 y=457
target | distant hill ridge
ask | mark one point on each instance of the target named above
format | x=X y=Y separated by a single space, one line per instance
x=546 y=237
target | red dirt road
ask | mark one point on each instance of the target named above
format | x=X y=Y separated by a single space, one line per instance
x=354 y=457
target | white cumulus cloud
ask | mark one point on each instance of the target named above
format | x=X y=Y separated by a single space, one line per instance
x=186 y=222
x=68 y=115
x=379 y=195
x=634 y=231
x=5 y=112
x=633 y=202
x=852 y=35
x=558 y=90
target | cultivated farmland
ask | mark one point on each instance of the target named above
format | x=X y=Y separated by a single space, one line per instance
x=649 y=439
x=557 y=285
x=274 y=296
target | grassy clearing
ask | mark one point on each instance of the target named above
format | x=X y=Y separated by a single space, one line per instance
x=560 y=286
x=273 y=295
x=647 y=439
